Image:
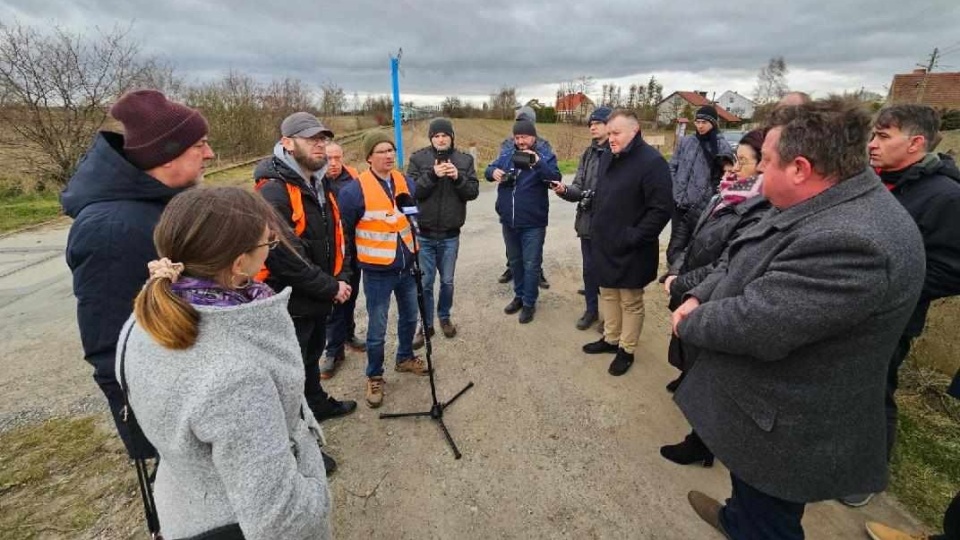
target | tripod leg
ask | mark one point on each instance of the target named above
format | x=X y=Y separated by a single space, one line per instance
x=404 y=415
x=453 y=445
x=460 y=393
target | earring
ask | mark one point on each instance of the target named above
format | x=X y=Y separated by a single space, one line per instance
x=246 y=280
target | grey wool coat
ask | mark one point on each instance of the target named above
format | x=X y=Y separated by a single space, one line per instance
x=793 y=338
x=237 y=442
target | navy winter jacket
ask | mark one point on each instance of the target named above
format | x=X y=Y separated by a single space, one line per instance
x=523 y=203
x=115 y=207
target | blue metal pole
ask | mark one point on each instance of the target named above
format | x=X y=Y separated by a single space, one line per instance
x=397 y=116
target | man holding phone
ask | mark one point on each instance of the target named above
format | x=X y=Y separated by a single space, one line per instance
x=524 y=174
x=446 y=179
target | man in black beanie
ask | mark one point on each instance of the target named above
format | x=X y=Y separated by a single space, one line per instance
x=446 y=179
x=523 y=174
x=116 y=197
x=696 y=168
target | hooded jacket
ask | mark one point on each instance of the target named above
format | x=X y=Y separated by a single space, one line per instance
x=930 y=191
x=442 y=202
x=523 y=203
x=115 y=207
x=692 y=173
x=313 y=282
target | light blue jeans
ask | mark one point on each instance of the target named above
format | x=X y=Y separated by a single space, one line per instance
x=438 y=256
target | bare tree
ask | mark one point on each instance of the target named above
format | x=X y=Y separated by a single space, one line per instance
x=234 y=108
x=55 y=86
x=288 y=96
x=771 y=82
x=333 y=100
x=503 y=102
x=452 y=107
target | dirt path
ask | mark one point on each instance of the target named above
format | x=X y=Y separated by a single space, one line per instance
x=553 y=446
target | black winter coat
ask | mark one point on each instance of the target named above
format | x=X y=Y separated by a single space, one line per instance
x=311 y=276
x=115 y=207
x=585 y=181
x=632 y=205
x=930 y=191
x=442 y=202
x=710 y=237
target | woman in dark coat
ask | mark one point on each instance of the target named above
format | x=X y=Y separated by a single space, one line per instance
x=737 y=206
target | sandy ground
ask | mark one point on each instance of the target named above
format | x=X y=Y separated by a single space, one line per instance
x=553 y=446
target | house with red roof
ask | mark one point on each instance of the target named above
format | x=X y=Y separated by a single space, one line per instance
x=575 y=107
x=938 y=90
x=684 y=104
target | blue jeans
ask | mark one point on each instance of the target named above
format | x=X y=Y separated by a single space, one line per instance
x=591 y=290
x=438 y=255
x=341 y=326
x=378 y=286
x=751 y=514
x=525 y=256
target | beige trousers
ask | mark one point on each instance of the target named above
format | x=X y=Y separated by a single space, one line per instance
x=622 y=311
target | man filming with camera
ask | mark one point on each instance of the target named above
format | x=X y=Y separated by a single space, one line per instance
x=524 y=174
x=446 y=179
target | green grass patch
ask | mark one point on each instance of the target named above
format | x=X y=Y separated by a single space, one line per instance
x=568 y=166
x=18 y=211
x=925 y=470
x=66 y=478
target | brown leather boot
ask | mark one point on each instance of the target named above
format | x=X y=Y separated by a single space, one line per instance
x=708 y=509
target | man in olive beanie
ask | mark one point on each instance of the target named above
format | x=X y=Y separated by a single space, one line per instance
x=116 y=197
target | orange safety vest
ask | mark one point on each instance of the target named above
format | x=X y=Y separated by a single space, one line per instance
x=352 y=171
x=382 y=222
x=299 y=218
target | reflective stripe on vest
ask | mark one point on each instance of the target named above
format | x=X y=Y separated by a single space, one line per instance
x=382 y=222
x=299 y=218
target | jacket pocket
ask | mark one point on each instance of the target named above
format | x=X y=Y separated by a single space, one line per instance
x=763 y=414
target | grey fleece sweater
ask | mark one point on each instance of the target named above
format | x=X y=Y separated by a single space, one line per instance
x=237 y=442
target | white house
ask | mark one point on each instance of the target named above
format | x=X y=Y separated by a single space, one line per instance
x=737 y=104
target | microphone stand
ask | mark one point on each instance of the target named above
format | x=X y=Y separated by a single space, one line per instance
x=436 y=409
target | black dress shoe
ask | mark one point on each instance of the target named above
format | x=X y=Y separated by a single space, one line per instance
x=332 y=408
x=588 y=318
x=506 y=276
x=691 y=450
x=526 y=314
x=513 y=307
x=544 y=284
x=599 y=347
x=621 y=363
x=329 y=463
x=674 y=384
x=581 y=292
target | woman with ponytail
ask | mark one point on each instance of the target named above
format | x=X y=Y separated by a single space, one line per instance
x=214 y=375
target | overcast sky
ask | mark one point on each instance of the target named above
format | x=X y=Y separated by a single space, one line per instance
x=469 y=49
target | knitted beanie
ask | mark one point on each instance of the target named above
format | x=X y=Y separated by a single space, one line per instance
x=709 y=114
x=524 y=127
x=373 y=138
x=156 y=130
x=440 y=125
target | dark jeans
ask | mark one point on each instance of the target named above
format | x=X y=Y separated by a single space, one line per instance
x=341 y=325
x=525 y=254
x=104 y=373
x=438 y=256
x=753 y=515
x=591 y=290
x=378 y=287
x=893 y=380
x=311 y=335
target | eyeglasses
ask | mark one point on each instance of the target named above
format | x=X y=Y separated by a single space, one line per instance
x=271 y=244
x=745 y=162
x=320 y=140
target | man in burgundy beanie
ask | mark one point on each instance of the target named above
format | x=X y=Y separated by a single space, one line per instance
x=115 y=197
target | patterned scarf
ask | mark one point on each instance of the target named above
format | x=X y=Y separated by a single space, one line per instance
x=206 y=292
x=734 y=191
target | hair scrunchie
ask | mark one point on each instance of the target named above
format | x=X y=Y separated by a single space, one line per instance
x=165 y=268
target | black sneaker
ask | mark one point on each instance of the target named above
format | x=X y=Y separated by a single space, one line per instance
x=588 y=318
x=329 y=463
x=526 y=314
x=599 y=347
x=332 y=408
x=513 y=307
x=621 y=363
x=506 y=276
x=544 y=284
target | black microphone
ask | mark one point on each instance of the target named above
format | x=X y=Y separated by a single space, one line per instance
x=408 y=206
